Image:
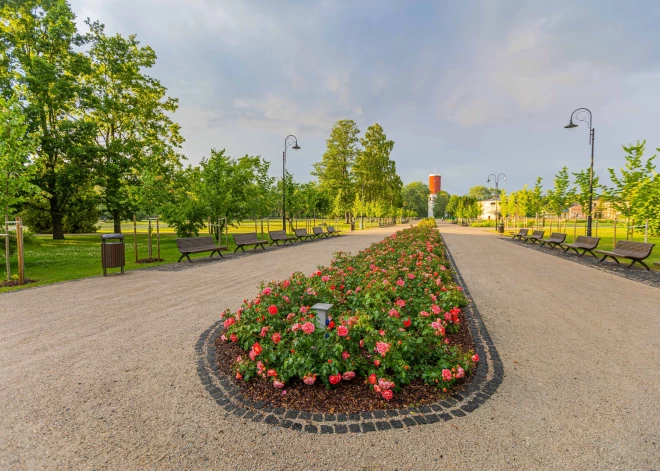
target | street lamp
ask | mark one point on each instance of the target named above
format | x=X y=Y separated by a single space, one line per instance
x=289 y=141
x=582 y=115
x=497 y=196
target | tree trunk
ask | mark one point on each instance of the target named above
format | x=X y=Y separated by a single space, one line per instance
x=58 y=227
x=117 y=223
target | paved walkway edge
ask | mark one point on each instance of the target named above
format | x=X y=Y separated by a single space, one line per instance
x=483 y=385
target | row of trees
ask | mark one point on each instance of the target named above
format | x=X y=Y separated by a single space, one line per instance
x=85 y=131
x=358 y=171
x=633 y=192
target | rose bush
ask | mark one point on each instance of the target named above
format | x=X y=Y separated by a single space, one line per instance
x=394 y=305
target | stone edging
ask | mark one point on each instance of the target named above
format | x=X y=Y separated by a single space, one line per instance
x=483 y=384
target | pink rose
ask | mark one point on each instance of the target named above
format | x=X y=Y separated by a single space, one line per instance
x=325 y=278
x=309 y=379
x=382 y=348
x=387 y=394
x=278 y=384
x=349 y=375
x=436 y=309
x=424 y=314
x=229 y=321
x=446 y=375
x=276 y=337
x=345 y=355
x=394 y=313
x=460 y=373
x=308 y=327
x=342 y=331
x=266 y=291
x=400 y=282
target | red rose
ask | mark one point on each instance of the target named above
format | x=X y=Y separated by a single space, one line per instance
x=372 y=378
x=331 y=325
x=377 y=363
x=276 y=337
x=233 y=337
x=272 y=309
x=406 y=323
x=257 y=348
x=387 y=394
x=475 y=358
x=271 y=373
x=334 y=379
x=342 y=331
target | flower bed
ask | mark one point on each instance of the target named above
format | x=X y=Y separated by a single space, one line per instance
x=395 y=321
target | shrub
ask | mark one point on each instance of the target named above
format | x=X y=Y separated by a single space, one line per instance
x=394 y=305
x=427 y=222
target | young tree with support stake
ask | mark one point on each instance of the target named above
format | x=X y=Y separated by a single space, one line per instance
x=16 y=147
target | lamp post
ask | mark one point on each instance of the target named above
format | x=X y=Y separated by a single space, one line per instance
x=289 y=141
x=583 y=114
x=497 y=197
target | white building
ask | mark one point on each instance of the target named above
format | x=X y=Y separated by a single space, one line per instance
x=488 y=209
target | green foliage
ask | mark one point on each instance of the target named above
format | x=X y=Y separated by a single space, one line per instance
x=186 y=211
x=375 y=172
x=559 y=198
x=415 y=196
x=130 y=112
x=334 y=169
x=482 y=193
x=440 y=206
x=580 y=192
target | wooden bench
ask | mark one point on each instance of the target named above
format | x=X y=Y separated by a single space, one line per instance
x=280 y=236
x=250 y=238
x=331 y=230
x=555 y=239
x=635 y=251
x=536 y=236
x=318 y=232
x=584 y=243
x=521 y=233
x=301 y=234
x=192 y=245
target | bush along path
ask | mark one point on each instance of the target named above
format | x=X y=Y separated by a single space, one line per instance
x=398 y=345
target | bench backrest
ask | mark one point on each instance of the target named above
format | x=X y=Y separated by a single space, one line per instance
x=557 y=237
x=638 y=249
x=318 y=230
x=247 y=238
x=277 y=235
x=300 y=232
x=523 y=232
x=330 y=228
x=538 y=233
x=587 y=242
x=194 y=243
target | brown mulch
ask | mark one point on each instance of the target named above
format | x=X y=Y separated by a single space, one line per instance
x=150 y=260
x=348 y=397
x=11 y=283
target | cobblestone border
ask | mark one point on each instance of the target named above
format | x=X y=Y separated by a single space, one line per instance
x=636 y=273
x=483 y=384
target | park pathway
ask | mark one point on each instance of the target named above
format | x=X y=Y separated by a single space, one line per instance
x=100 y=373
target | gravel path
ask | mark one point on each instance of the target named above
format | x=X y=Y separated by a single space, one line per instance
x=101 y=373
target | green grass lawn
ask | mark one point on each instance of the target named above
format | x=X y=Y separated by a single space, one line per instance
x=606 y=234
x=79 y=256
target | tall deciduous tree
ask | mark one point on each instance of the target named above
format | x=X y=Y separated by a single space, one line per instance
x=17 y=145
x=43 y=63
x=374 y=170
x=581 y=189
x=482 y=193
x=415 y=197
x=629 y=193
x=131 y=115
x=334 y=169
x=558 y=198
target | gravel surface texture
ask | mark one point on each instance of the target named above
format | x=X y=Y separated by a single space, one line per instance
x=102 y=374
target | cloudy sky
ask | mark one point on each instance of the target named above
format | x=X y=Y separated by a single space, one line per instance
x=467 y=88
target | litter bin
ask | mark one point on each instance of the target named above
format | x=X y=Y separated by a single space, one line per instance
x=112 y=252
x=352 y=226
x=500 y=228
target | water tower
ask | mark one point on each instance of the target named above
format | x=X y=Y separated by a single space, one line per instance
x=435 y=181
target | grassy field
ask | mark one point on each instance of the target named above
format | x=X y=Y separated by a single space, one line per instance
x=79 y=256
x=606 y=234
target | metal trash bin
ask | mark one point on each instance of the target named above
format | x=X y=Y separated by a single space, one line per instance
x=113 y=252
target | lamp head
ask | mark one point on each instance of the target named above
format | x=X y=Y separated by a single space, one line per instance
x=296 y=147
x=571 y=125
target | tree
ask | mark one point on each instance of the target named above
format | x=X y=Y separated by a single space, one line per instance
x=650 y=207
x=16 y=147
x=131 y=115
x=375 y=172
x=43 y=64
x=415 y=196
x=537 y=201
x=482 y=193
x=334 y=169
x=559 y=197
x=452 y=206
x=440 y=206
x=631 y=191
x=580 y=192
x=186 y=211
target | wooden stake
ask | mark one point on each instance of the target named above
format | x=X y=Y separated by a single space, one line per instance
x=575 y=229
x=19 y=246
x=614 y=241
x=135 y=238
x=158 y=237
x=7 y=246
x=149 y=240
